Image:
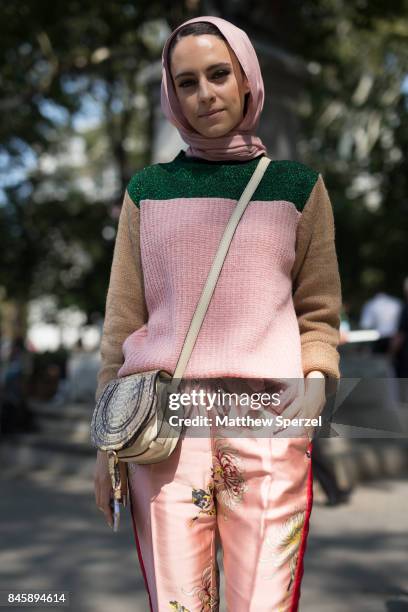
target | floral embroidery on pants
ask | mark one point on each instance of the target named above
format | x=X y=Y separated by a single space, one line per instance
x=177 y=607
x=228 y=477
x=204 y=499
x=207 y=594
x=227 y=482
x=284 y=544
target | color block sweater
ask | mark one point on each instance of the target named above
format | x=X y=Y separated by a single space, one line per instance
x=275 y=311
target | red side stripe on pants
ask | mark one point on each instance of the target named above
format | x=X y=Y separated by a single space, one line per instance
x=305 y=531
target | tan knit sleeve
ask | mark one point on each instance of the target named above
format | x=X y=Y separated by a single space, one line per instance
x=125 y=309
x=317 y=287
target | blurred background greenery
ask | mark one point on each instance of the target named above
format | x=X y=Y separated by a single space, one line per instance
x=80 y=103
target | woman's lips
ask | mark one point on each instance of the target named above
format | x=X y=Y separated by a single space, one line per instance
x=212 y=114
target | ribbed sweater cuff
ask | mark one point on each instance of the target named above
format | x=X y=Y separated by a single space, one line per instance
x=325 y=358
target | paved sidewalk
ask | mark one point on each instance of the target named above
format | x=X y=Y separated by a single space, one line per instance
x=53 y=537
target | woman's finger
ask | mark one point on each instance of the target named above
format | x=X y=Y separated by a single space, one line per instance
x=294 y=409
x=106 y=508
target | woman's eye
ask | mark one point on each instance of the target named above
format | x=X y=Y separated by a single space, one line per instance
x=217 y=75
x=184 y=83
x=221 y=73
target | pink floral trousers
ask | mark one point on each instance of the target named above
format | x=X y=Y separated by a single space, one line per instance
x=252 y=495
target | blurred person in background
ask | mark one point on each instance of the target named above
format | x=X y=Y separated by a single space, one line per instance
x=399 y=347
x=16 y=415
x=382 y=314
x=326 y=476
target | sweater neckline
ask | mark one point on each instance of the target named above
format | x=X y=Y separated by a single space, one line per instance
x=182 y=157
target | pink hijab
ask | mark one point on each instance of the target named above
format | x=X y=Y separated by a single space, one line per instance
x=241 y=143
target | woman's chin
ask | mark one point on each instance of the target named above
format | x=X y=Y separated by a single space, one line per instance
x=215 y=131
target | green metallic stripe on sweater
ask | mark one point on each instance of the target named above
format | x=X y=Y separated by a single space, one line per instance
x=286 y=180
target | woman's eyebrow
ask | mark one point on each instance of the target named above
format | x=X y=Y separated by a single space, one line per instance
x=186 y=73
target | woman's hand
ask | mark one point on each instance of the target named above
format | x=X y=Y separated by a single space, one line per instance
x=309 y=404
x=103 y=486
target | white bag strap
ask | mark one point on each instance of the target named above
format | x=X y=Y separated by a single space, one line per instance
x=212 y=278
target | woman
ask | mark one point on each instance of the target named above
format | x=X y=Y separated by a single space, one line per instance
x=274 y=314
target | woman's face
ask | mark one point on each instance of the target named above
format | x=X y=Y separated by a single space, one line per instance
x=207 y=76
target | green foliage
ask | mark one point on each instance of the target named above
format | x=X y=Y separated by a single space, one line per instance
x=63 y=180
x=355 y=131
x=75 y=130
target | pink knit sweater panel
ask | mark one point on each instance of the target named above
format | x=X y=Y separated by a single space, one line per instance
x=250 y=328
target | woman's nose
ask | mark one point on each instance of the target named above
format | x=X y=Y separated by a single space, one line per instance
x=204 y=91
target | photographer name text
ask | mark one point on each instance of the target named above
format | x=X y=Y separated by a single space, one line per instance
x=244 y=421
